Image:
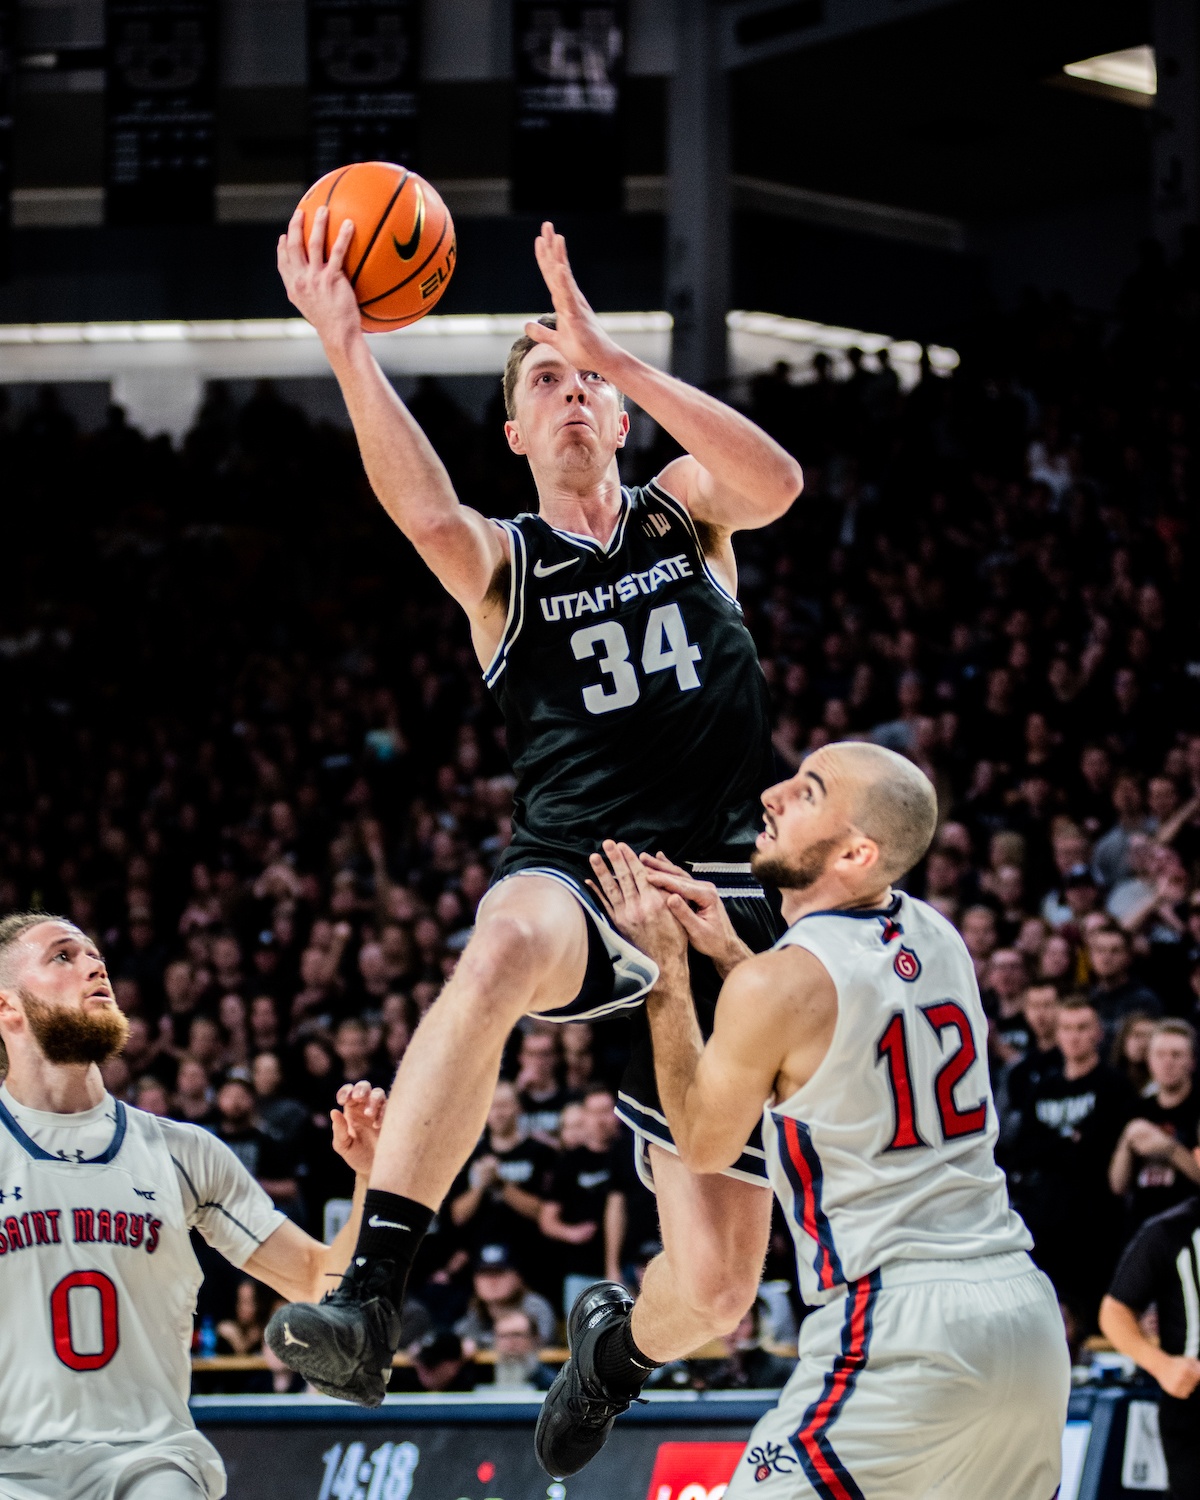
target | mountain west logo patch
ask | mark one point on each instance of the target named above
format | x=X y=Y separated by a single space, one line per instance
x=656 y=524
x=907 y=964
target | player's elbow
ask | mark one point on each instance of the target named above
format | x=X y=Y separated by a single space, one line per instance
x=778 y=496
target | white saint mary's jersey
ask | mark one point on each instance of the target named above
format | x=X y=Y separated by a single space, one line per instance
x=98 y=1280
x=887 y=1152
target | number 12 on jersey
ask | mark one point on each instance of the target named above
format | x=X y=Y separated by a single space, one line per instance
x=892 y=1050
x=665 y=646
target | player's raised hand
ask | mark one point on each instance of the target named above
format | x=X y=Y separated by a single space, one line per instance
x=698 y=909
x=356 y=1125
x=579 y=338
x=638 y=910
x=319 y=288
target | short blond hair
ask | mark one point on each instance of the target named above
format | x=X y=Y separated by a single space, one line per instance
x=512 y=366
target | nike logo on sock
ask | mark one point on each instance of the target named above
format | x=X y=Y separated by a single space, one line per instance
x=375 y=1222
x=290 y=1338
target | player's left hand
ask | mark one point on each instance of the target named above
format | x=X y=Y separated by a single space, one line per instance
x=356 y=1125
x=579 y=338
x=638 y=909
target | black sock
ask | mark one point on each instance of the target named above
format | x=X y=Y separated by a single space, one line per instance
x=620 y=1364
x=392 y=1229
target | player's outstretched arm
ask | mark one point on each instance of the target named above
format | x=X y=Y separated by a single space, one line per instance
x=459 y=545
x=736 y=477
x=295 y=1264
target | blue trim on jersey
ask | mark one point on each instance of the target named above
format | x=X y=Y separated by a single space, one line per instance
x=643 y=1120
x=28 y=1144
x=806 y=1176
x=826 y=1472
x=594 y=544
x=890 y=910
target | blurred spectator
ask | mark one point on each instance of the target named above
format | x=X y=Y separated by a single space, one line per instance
x=516 y=1343
x=539 y=1087
x=1114 y=992
x=500 y=1289
x=284 y=1120
x=261 y=1156
x=498 y=1197
x=576 y=1199
x=440 y=1363
x=1130 y=1046
x=1068 y=1131
x=243 y=1333
x=1154 y=1166
x=746 y=1364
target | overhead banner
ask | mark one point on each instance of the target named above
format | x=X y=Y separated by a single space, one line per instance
x=161 y=101
x=362 y=81
x=570 y=67
x=8 y=41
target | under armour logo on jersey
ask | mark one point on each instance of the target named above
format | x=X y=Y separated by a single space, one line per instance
x=907 y=964
x=768 y=1459
x=13 y=1193
x=656 y=524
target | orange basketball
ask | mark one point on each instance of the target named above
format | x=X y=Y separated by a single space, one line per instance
x=402 y=254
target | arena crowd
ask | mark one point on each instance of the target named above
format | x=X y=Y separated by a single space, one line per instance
x=249 y=749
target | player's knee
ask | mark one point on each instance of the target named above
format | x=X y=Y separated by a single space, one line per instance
x=511 y=953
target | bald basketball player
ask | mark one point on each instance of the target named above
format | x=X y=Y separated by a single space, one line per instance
x=935 y=1366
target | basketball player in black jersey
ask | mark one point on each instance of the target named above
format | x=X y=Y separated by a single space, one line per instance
x=608 y=629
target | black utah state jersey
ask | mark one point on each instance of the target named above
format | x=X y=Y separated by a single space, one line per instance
x=631 y=690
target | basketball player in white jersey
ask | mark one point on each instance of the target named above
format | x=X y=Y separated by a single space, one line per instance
x=98 y=1280
x=935 y=1366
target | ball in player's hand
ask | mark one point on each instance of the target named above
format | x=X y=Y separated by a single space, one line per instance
x=402 y=253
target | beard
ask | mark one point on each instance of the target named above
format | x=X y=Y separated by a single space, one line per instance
x=808 y=866
x=74 y=1037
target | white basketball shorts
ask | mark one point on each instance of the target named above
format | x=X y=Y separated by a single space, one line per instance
x=928 y=1380
x=185 y=1467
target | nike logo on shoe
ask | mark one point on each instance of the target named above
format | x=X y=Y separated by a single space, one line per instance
x=540 y=570
x=375 y=1222
x=290 y=1338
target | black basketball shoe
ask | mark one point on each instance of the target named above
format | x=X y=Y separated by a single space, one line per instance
x=578 y=1413
x=343 y=1345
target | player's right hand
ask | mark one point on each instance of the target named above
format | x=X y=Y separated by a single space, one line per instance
x=319 y=288
x=698 y=909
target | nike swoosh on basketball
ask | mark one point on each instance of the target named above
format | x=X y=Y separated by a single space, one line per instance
x=540 y=570
x=377 y=1223
x=409 y=247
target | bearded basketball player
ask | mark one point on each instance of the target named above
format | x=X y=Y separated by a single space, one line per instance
x=97 y=1273
x=608 y=629
x=935 y=1365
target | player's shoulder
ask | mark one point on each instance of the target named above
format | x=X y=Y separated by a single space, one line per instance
x=1171 y=1229
x=781 y=977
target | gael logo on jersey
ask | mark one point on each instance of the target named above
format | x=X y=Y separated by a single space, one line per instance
x=907 y=965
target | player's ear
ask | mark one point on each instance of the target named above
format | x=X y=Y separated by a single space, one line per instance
x=622 y=428
x=515 y=441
